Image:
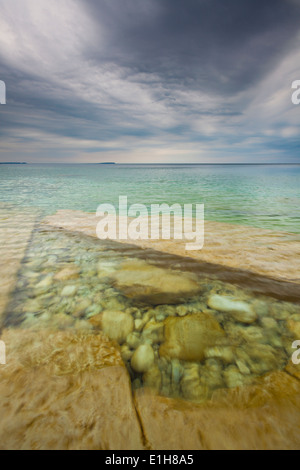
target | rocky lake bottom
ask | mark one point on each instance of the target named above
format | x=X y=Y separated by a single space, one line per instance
x=182 y=333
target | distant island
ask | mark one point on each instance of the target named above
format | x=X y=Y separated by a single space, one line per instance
x=13 y=163
x=107 y=163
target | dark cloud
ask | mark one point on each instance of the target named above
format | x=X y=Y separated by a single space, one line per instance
x=183 y=78
x=225 y=45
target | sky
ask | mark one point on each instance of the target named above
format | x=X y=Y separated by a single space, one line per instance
x=150 y=81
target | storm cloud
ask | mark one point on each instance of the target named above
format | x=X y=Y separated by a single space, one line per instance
x=149 y=80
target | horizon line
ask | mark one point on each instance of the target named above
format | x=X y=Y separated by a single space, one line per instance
x=144 y=163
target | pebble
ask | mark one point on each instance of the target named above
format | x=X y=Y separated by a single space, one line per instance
x=181 y=310
x=242 y=367
x=233 y=377
x=278 y=312
x=143 y=358
x=154 y=331
x=294 y=327
x=225 y=353
x=241 y=311
x=65 y=274
x=269 y=323
x=126 y=353
x=133 y=340
x=68 y=291
x=81 y=307
x=117 y=325
x=138 y=324
x=46 y=282
x=152 y=378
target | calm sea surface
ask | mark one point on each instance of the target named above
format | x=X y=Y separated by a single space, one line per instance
x=176 y=333
x=266 y=196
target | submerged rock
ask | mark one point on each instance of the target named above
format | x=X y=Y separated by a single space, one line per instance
x=152 y=378
x=261 y=416
x=143 y=358
x=63 y=391
x=81 y=307
x=181 y=310
x=294 y=327
x=147 y=283
x=269 y=323
x=126 y=352
x=32 y=306
x=211 y=375
x=61 y=320
x=117 y=325
x=133 y=340
x=233 y=377
x=187 y=338
x=225 y=353
x=68 y=291
x=242 y=367
x=154 y=332
x=191 y=386
x=67 y=273
x=138 y=324
x=241 y=311
x=45 y=283
x=282 y=310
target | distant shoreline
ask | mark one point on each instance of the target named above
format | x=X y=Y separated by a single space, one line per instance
x=155 y=164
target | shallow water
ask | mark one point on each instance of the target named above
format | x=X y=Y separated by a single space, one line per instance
x=151 y=306
x=167 y=316
x=257 y=195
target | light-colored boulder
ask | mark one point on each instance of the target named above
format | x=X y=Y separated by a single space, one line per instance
x=240 y=310
x=144 y=282
x=143 y=358
x=68 y=291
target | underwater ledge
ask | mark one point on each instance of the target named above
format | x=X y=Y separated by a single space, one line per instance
x=80 y=378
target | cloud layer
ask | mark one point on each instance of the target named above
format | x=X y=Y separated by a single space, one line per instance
x=150 y=81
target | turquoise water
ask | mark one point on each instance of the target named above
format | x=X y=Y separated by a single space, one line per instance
x=266 y=196
x=175 y=331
